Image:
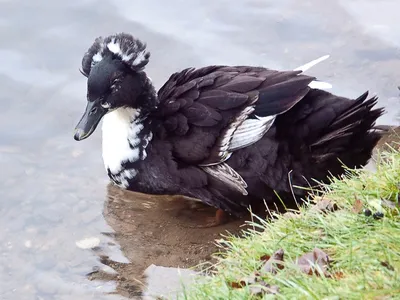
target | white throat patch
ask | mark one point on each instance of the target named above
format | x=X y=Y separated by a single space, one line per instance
x=119 y=132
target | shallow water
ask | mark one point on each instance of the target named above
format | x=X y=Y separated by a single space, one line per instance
x=53 y=190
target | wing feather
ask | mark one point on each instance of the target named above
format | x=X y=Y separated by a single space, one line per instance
x=227 y=175
x=223 y=100
x=250 y=132
x=201 y=115
x=209 y=113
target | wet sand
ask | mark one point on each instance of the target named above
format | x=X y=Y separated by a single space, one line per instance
x=54 y=191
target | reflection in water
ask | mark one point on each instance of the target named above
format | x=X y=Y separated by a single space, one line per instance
x=157 y=230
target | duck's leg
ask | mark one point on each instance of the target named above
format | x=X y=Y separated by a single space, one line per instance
x=220 y=218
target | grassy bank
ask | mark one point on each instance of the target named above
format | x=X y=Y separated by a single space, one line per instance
x=352 y=225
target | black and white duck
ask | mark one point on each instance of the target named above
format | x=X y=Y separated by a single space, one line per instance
x=228 y=136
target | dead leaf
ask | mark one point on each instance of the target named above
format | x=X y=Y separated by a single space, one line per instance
x=325 y=205
x=308 y=262
x=338 y=275
x=244 y=281
x=265 y=257
x=274 y=262
x=237 y=285
x=357 y=206
x=257 y=286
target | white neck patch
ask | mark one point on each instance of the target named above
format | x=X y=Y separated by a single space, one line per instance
x=119 y=131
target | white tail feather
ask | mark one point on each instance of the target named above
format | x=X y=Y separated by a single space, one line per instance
x=315 y=84
x=311 y=64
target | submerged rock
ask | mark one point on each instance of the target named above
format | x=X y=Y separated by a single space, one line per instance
x=167 y=282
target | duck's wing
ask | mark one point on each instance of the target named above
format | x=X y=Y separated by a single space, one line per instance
x=209 y=113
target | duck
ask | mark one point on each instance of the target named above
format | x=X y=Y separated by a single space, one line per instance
x=227 y=136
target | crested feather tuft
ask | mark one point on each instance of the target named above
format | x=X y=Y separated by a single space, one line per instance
x=127 y=48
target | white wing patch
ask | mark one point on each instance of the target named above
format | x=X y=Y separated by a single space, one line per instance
x=250 y=132
x=228 y=133
x=227 y=175
x=241 y=133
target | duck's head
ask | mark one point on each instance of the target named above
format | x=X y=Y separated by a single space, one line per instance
x=115 y=78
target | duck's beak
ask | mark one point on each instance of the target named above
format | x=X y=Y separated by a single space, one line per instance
x=90 y=119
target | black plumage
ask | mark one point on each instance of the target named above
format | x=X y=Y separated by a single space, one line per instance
x=232 y=135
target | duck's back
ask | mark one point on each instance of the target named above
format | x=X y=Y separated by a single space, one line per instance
x=238 y=133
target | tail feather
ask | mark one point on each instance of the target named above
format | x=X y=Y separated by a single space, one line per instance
x=311 y=142
x=358 y=109
x=311 y=64
x=350 y=138
x=316 y=84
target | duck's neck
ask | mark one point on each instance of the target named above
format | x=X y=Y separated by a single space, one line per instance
x=127 y=133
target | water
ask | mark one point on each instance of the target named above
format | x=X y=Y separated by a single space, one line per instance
x=53 y=190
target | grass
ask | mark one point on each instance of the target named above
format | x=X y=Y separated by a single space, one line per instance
x=364 y=251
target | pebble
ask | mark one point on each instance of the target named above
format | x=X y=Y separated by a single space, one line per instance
x=88 y=243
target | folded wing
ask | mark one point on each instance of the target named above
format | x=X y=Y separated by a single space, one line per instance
x=209 y=113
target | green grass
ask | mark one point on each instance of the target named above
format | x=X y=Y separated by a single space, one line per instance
x=358 y=245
